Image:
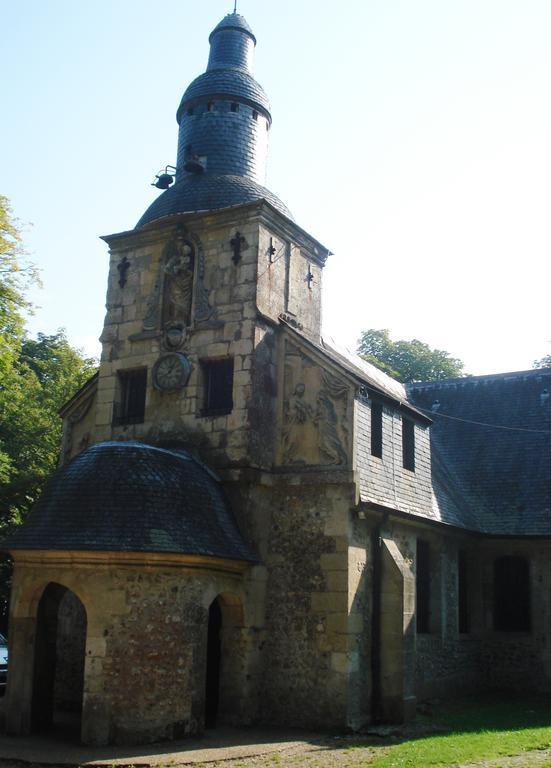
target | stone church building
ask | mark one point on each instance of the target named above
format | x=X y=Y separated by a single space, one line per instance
x=249 y=524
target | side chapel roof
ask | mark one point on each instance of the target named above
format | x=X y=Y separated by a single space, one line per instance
x=132 y=497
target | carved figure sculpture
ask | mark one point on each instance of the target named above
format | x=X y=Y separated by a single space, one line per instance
x=298 y=413
x=329 y=424
x=178 y=283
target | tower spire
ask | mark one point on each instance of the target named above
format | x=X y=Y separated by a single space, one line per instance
x=224 y=120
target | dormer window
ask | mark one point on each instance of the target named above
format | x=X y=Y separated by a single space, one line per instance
x=377 y=430
x=408 y=444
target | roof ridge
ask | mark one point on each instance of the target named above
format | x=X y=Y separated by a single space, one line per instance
x=507 y=375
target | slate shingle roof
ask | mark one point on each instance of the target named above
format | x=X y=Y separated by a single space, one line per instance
x=209 y=192
x=226 y=83
x=500 y=479
x=233 y=21
x=132 y=497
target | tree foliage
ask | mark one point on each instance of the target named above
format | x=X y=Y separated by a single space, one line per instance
x=36 y=377
x=543 y=362
x=407 y=361
x=47 y=372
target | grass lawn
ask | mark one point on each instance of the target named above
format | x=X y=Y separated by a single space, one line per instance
x=475 y=729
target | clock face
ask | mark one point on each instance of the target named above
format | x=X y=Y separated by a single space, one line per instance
x=171 y=372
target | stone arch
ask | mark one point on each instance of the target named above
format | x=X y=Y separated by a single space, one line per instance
x=59 y=658
x=226 y=661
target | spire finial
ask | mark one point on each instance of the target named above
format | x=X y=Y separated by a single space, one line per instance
x=235 y=6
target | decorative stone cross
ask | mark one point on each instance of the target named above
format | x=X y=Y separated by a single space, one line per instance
x=309 y=278
x=237 y=243
x=123 y=266
x=271 y=250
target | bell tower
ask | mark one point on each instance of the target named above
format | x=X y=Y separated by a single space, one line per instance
x=224 y=122
x=200 y=287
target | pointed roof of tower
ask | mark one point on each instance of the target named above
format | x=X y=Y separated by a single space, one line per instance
x=233 y=21
x=224 y=118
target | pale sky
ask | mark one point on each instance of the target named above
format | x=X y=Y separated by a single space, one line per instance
x=411 y=137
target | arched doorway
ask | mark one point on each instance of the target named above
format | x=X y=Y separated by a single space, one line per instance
x=60 y=645
x=226 y=662
x=214 y=648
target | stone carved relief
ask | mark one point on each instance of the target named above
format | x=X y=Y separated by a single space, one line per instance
x=177 y=268
x=203 y=310
x=315 y=414
x=179 y=296
x=332 y=411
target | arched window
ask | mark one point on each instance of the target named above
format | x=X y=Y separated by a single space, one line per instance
x=511 y=594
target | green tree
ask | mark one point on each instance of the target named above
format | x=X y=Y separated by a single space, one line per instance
x=407 y=361
x=543 y=362
x=48 y=371
x=36 y=377
x=16 y=274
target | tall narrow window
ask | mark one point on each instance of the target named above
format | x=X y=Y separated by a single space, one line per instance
x=376 y=429
x=218 y=387
x=464 y=623
x=422 y=587
x=408 y=444
x=511 y=594
x=130 y=408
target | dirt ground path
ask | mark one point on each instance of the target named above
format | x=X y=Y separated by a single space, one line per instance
x=323 y=752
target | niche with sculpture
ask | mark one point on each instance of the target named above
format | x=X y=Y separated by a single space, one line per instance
x=179 y=298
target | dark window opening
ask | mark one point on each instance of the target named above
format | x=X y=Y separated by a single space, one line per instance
x=408 y=444
x=210 y=106
x=422 y=587
x=377 y=430
x=212 y=681
x=234 y=107
x=511 y=594
x=218 y=381
x=131 y=406
x=464 y=623
x=255 y=114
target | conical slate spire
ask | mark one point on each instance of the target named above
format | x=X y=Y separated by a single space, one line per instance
x=224 y=120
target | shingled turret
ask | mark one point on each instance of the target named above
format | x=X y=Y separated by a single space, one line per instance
x=224 y=120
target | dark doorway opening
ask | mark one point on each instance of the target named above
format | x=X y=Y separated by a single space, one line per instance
x=511 y=594
x=60 y=646
x=212 y=696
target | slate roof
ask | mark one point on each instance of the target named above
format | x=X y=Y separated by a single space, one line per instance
x=208 y=192
x=233 y=21
x=132 y=497
x=493 y=476
x=225 y=83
